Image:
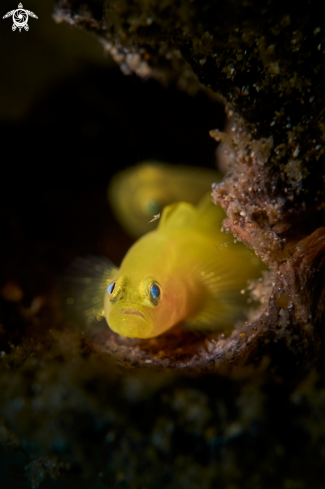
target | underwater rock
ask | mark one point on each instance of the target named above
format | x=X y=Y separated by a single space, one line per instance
x=265 y=63
x=73 y=416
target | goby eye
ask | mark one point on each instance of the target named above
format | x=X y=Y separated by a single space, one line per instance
x=110 y=288
x=155 y=293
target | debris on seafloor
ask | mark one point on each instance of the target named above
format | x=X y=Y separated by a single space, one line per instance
x=155 y=217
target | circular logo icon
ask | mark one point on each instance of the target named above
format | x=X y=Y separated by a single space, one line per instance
x=20 y=19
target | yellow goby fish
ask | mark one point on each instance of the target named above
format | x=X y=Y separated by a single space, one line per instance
x=186 y=270
x=140 y=192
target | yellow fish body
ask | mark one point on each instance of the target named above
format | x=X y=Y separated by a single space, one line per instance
x=140 y=192
x=185 y=270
